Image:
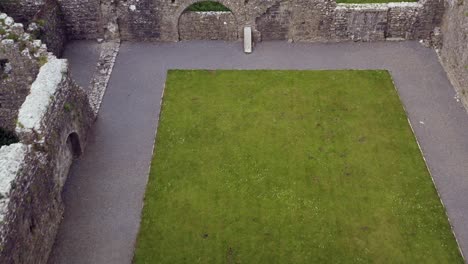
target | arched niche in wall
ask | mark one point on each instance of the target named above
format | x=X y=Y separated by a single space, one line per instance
x=74 y=145
x=69 y=150
x=207 y=20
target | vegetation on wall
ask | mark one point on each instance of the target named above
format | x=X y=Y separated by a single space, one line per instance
x=207 y=6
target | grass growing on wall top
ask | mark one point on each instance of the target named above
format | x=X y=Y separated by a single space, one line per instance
x=206 y=6
x=289 y=167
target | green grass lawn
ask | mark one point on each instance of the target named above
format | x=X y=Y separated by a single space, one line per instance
x=289 y=167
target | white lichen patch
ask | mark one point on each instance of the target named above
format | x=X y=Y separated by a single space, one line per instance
x=212 y=13
x=384 y=6
x=405 y=4
x=362 y=6
x=42 y=90
x=11 y=160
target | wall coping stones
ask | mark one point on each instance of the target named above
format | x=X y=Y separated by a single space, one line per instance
x=405 y=4
x=209 y=13
x=11 y=161
x=362 y=6
x=379 y=6
x=43 y=89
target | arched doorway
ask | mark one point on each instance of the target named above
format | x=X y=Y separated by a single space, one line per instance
x=71 y=149
x=73 y=144
x=207 y=20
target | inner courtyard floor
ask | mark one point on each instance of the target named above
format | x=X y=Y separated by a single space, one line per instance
x=104 y=192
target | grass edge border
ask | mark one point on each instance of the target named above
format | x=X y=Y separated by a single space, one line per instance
x=427 y=166
x=135 y=243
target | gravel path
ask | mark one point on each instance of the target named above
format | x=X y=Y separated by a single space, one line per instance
x=105 y=189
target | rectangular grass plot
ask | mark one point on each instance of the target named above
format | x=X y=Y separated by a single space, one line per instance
x=289 y=167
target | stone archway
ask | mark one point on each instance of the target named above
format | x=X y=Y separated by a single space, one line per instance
x=211 y=25
x=74 y=145
x=68 y=151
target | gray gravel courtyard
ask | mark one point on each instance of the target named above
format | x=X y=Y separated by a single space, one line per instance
x=105 y=188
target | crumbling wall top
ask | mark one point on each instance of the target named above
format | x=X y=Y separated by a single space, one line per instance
x=42 y=91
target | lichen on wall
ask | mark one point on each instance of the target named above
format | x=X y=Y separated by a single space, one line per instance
x=11 y=160
x=42 y=90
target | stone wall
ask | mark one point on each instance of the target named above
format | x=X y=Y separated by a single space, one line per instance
x=51 y=116
x=402 y=20
x=82 y=18
x=275 y=22
x=48 y=26
x=52 y=125
x=43 y=18
x=207 y=26
x=312 y=21
x=361 y=22
x=378 y=22
x=295 y=20
x=454 y=51
x=20 y=59
x=22 y=11
x=139 y=20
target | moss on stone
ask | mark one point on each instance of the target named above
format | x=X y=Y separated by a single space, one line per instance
x=207 y=6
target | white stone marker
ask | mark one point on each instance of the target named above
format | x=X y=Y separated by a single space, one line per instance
x=247 y=39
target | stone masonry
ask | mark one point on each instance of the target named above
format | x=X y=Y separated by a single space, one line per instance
x=294 y=20
x=454 y=51
x=20 y=59
x=51 y=116
x=207 y=25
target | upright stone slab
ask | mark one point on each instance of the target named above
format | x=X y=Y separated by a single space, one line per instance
x=247 y=39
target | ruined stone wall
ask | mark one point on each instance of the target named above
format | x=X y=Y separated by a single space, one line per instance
x=275 y=22
x=454 y=51
x=20 y=59
x=42 y=18
x=361 y=22
x=48 y=26
x=82 y=18
x=52 y=126
x=430 y=17
x=295 y=20
x=139 y=20
x=402 y=19
x=376 y=22
x=30 y=208
x=208 y=26
x=51 y=116
x=22 y=11
x=312 y=21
